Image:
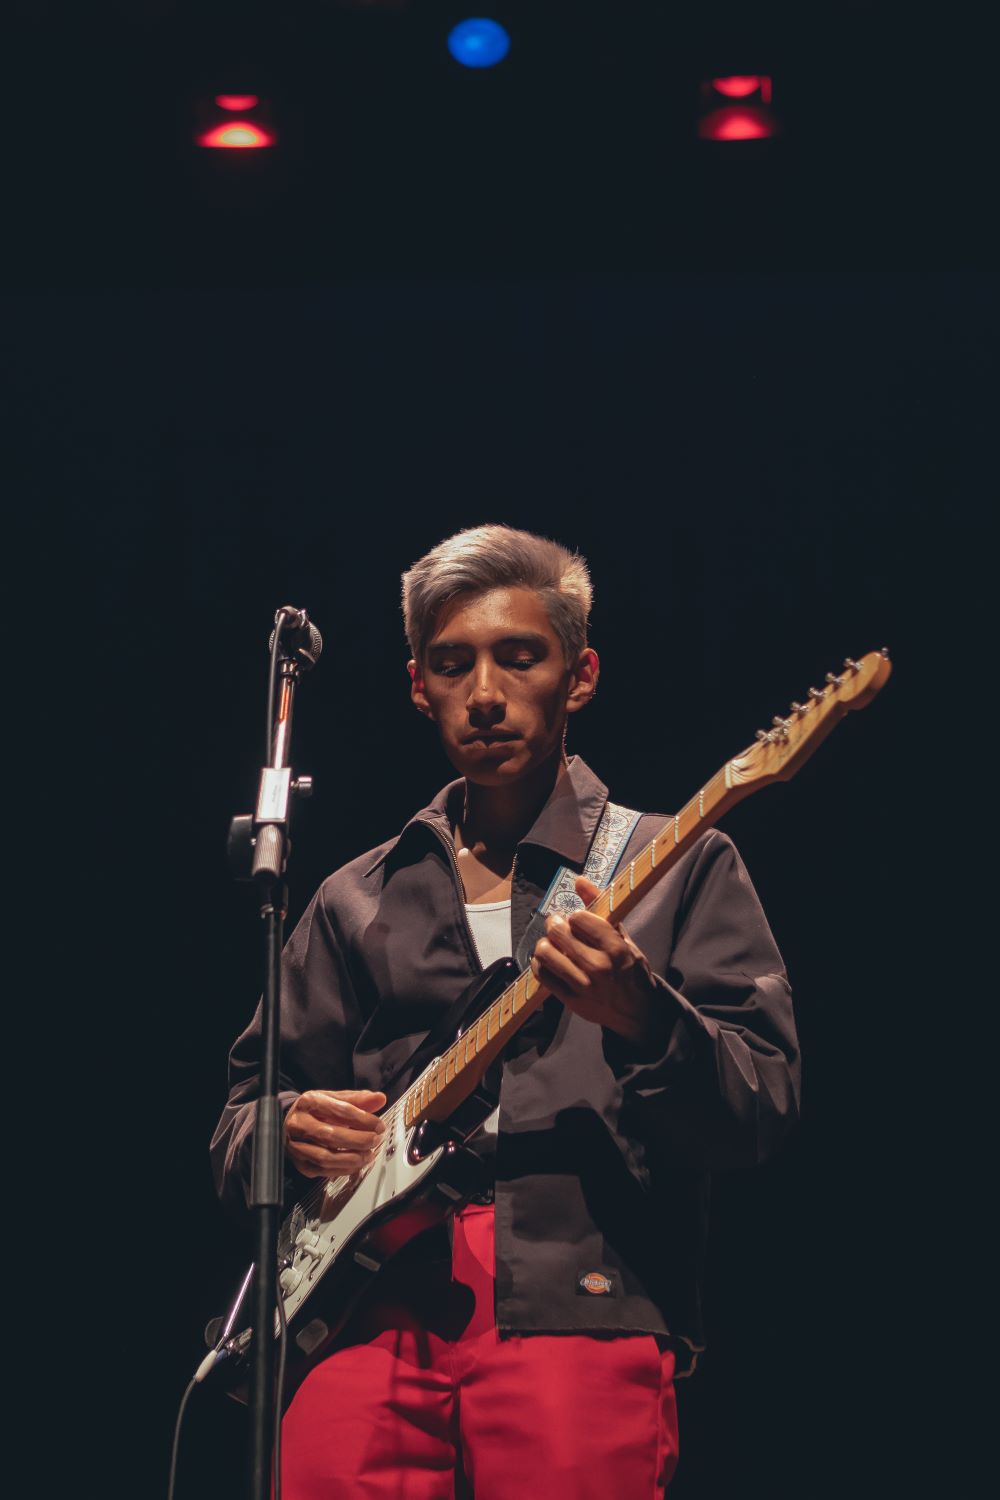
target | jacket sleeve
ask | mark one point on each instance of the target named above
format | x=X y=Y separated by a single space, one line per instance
x=319 y=1023
x=719 y=1087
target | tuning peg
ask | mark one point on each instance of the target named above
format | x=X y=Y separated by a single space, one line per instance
x=799 y=708
x=832 y=678
x=851 y=664
x=884 y=652
x=817 y=693
x=780 y=723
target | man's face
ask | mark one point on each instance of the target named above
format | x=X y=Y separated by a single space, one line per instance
x=495 y=682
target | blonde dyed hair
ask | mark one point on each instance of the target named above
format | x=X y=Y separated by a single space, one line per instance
x=498 y=557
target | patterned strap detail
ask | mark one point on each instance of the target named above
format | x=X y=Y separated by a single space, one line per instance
x=613 y=833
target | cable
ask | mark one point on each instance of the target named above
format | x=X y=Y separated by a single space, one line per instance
x=279 y=1392
x=177 y=1437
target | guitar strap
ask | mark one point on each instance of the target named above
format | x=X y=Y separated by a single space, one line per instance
x=606 y=849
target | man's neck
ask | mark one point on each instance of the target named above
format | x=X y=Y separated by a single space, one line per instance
x=497 y=818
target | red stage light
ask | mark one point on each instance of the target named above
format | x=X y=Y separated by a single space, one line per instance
x=237 y=135
x=237 y=102
x=738 y=86
x=737 y=122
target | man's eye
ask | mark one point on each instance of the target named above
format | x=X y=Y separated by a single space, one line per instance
x=522 y=663
x=450 y=668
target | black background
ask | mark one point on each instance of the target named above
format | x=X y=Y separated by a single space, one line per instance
x=754 y=391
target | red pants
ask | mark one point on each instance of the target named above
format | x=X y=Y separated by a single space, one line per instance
x=426 y=1403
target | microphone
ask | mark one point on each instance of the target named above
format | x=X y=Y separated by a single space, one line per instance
x=299 y=636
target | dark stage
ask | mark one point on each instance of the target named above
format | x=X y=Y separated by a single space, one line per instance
x=225 y=395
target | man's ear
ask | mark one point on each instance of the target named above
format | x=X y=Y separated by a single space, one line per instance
x=417 y=695
x=583 y=680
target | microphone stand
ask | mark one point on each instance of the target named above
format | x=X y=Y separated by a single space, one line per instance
x=265 y=836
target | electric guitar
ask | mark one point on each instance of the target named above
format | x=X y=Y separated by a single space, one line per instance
x=341 y=1232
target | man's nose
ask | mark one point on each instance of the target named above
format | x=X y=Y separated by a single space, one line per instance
x=486 y=688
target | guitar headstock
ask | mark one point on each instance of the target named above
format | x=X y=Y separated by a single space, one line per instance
x=782 y=749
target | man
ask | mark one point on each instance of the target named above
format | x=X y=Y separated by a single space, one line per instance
x=536 y=1351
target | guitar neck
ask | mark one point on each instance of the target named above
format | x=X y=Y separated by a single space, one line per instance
x=777 y=754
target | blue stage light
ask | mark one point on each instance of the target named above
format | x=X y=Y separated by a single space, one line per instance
x=478 y=43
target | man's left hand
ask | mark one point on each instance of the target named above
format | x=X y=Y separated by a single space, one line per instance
x=598 y=971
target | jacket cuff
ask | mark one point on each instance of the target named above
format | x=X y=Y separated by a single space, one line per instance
x=294 y=1184
x=678 y=1029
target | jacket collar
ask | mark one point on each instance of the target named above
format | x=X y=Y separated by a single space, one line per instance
x=566 y=824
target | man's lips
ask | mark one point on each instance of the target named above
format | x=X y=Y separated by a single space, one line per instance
x=489 y=737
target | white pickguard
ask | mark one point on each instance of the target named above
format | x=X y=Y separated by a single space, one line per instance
x=336 y=1213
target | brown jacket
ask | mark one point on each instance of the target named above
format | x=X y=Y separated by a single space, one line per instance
x=603 y=1152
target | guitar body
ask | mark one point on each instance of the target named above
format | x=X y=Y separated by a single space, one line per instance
x=340 y=1233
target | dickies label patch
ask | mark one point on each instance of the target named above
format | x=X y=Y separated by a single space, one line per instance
x=594 y=1284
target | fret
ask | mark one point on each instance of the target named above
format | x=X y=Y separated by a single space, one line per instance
x=493 y=1021
x=506 y=1007
x=521 y=1000
x=482 y=1032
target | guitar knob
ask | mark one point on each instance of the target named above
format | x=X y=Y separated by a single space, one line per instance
x=289 y=1279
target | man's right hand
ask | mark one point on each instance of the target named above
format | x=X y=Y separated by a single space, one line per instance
x=333 y=1132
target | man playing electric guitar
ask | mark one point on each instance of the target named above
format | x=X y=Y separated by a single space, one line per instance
x=532 y=1349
